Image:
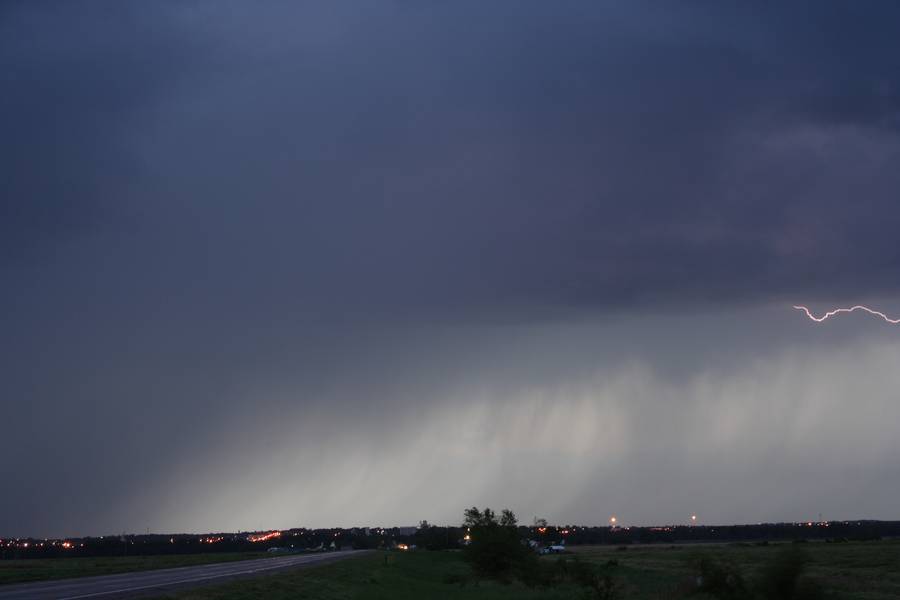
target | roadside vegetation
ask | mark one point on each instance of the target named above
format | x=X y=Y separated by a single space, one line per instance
x=42 y=569
x=854 y=571
x=382 y=575
x=490 y=556
x=493 y=561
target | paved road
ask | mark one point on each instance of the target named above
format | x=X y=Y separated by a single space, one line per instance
x=128 y=585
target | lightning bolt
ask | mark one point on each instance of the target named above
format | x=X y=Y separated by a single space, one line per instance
x=831 y=313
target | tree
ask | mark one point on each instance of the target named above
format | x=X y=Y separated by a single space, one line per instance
x=508 y=518
x=432 y=537
x=495 y=549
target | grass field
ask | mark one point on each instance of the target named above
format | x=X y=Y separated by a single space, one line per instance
x=379 y=575
x=851 y=571
x=856 y=570
x=19 y=571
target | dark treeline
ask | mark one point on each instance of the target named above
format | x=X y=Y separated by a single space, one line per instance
x=833 y=530
x=296 y=540
x=434 y=538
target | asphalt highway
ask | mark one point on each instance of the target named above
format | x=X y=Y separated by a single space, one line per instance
x=141 y=583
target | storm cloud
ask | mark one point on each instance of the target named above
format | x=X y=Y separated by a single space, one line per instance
x=357 y=263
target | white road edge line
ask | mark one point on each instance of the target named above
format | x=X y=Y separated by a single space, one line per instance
x=168 y=583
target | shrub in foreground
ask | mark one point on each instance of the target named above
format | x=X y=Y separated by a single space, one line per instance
x=495 y=549
x=781 y=578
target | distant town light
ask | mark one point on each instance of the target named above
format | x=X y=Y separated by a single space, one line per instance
x=264 y=536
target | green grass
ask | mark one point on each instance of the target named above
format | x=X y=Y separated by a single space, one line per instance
x=39 y=569
x=376 y=576
x=850 y=571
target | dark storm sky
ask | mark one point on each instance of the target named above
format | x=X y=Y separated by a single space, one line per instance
x=276 y=264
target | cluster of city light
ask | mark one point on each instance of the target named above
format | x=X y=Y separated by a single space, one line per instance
x=20 y=543
x=262 y=537
x=215 y=539
x=836 y=311
x=613 y=523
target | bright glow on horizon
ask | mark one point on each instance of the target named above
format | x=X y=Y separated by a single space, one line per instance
x=831 y=313
x=262 y=537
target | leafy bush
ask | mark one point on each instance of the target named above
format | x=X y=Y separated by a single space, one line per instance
x=598 y=580
x=782 y=578
x=536 y=573
x=495 y=548
x=721 y=579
